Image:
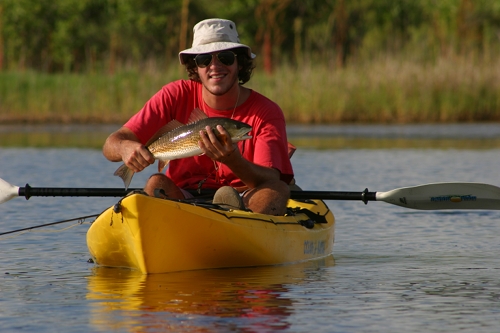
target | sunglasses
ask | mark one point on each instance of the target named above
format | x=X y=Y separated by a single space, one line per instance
x=225 y=57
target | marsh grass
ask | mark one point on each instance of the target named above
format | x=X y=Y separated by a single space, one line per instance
x=383 y=90
x=75 y=98
x=389 y=91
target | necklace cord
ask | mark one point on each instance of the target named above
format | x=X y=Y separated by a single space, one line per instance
x=217 y=167
x=237 y=100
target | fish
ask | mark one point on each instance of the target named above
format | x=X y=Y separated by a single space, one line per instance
x=176 y=140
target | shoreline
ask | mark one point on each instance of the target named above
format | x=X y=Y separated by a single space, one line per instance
x=478 y=130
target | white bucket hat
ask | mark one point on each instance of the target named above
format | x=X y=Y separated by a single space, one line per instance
x=214 y=35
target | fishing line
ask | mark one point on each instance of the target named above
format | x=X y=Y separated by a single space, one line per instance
x=80 y=220
x=41 y=231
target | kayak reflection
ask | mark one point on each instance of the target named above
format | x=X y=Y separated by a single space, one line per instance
x=129 y=300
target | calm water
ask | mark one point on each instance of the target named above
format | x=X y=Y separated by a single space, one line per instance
x=392 y=269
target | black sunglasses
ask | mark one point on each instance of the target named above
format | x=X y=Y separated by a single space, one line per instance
x=225 y=57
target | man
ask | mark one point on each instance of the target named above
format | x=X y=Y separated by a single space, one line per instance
x=255 y=172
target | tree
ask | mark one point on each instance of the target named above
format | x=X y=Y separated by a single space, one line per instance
x=269 y=14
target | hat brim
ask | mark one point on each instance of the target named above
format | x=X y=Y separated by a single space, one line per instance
x=213 y=47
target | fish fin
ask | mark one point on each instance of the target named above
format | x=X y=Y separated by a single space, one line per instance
x=196 y=115
x=162 y=164
x=291 y=150
x=170 y=126
x=126 y=174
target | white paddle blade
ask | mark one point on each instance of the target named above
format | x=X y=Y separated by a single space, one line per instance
x=444 y=196
x=7 y=191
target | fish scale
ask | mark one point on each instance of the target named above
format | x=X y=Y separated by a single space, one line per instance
x=183 y=141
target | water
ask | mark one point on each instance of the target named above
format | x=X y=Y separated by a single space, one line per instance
x=392 y=270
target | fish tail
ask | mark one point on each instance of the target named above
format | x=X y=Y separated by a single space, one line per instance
x=162 y=164
x=126 y=174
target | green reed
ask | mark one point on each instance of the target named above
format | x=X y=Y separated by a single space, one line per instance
x=388 y=90
x=385 y=89
x=74 y=98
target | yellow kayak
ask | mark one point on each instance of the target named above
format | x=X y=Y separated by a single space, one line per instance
x=158 y=236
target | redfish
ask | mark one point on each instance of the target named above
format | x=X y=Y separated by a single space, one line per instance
x=176 y=140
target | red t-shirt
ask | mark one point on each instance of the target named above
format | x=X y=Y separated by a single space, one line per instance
x=267 y=147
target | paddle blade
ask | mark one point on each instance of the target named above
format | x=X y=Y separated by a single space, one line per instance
x=444 y=196
x=7 y=191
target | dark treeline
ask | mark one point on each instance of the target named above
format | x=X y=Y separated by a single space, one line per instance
x=105 y=35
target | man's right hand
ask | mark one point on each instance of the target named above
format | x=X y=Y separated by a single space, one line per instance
x=136 y=156
x=123 y=145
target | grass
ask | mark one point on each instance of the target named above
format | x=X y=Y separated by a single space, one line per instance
x=383 y=90
x=39 y=97
x=390 y=91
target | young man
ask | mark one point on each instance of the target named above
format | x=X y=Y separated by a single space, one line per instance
x=254 y=172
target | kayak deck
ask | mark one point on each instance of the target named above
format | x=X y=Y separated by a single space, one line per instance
x=158 y=236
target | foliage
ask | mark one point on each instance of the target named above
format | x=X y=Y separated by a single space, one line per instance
x=100 y=35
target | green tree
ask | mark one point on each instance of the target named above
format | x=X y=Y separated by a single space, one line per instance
x=90 y=35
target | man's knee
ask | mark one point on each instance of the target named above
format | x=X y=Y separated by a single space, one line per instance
x=270 y=198
x=159 y=183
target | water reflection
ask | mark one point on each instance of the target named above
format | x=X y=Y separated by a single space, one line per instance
x=128 y=300
x=394 y=143
x=380 y=136
x=41 y=136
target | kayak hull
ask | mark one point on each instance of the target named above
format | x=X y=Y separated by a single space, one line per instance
x=158 y=236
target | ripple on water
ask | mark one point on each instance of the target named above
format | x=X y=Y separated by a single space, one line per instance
x=394 y=270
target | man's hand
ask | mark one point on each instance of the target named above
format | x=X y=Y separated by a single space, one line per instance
x=218 y=149
x=123 y=145
x=227 y=152
x=136 y=156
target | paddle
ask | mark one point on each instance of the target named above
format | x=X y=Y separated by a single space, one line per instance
x=427 y=197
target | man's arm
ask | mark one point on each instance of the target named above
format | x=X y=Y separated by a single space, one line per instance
x=228 y=153
x=253 y=175
x=123 y=145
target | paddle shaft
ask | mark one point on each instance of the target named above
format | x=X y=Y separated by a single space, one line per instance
x=364 y=196
x=29 y=192
x=451 y=195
